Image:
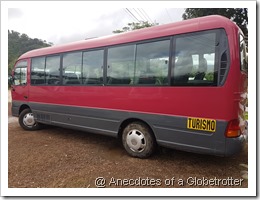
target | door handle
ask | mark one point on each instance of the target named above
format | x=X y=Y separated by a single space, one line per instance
x=26 y=97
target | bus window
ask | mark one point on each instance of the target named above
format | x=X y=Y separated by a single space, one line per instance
x=120 y=69
x=72 y=68
x=93 y=67
x=20 y=73
x=52 y=70
x=195 y=59
x=152 y=61
x=38 y=71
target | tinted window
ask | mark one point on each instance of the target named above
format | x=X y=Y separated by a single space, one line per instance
x=72 y=63
x=37 y=72
x=194 y=59
x=52 y=70
x=152 y=61
x=120 y=69
x=93 y=67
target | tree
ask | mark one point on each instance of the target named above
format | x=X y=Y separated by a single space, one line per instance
x=237 y=15
x=19 y=44
x=134 y=26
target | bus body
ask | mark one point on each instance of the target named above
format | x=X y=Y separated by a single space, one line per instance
x=179 y=85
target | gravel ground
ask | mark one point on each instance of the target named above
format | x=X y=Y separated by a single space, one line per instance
x=62 y=158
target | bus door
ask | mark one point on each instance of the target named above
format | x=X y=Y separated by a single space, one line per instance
x=19 y=84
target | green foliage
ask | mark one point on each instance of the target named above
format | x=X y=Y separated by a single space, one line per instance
x=237 y=15
x=18 y=44
x=246 y=116
x=209 y=76
x=135 y=26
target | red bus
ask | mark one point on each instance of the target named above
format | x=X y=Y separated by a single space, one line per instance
x=180 y=85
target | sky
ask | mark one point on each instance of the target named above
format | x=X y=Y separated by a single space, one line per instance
x=80 y=22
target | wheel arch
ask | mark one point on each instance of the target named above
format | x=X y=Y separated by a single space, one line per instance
x=23 y=107
x=125 y=122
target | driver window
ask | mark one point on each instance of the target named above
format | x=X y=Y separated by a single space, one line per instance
x=20 y=73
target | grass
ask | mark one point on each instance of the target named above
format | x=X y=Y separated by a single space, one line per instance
x=246 y=116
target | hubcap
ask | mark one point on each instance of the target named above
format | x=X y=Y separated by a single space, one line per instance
x=28 y=120
x=136 y=141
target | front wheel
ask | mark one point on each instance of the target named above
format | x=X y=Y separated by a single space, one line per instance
x=27 y=121
x=138 y=140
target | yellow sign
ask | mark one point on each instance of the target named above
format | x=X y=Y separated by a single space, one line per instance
x=201 y=124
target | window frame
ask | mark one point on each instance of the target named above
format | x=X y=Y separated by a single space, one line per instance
x=107 y=64
x=102 y=83
x=20 y=77
x=168 y=39
x=60 y=61
x=61 y=69
x=31 y=69
x=45 y=60
x=135 y=51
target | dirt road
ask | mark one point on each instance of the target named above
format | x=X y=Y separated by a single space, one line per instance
x=56 y=157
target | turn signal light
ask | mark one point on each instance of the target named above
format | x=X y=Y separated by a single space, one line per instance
x=233 y=129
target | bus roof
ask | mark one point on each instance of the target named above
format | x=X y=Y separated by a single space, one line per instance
x=186 y=26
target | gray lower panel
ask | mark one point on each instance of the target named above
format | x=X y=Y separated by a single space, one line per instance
x=94 y=120
x=170 y=131
x=15 y=108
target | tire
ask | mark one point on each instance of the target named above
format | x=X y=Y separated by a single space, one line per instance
x=27 y=122
x=138 y=140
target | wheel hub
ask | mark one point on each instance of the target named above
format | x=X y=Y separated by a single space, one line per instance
x=28 y=120
x=136 y=141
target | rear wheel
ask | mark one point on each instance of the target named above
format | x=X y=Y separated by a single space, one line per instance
x=138 y=140
x=27 y=121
